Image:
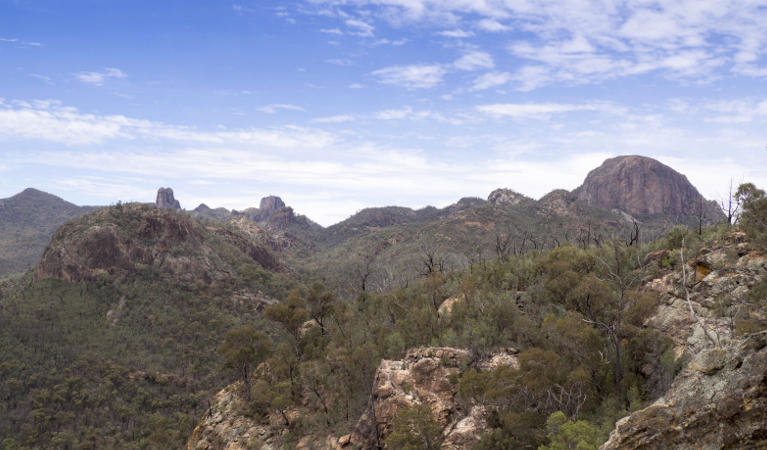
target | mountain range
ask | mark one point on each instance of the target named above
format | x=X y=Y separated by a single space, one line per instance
x=624 y=196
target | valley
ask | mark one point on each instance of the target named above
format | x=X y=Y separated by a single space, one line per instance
x=505 y=322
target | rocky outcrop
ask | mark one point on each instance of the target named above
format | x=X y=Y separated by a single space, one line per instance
x=718 y=276
x=718 y=402
x=205 y=212
x=505 y=197
x=423 y=377
x=225 y=427
x=165 y=199
x=125 y=239
x=641 y=185
x=271 y=204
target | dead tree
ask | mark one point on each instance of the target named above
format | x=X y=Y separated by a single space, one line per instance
x=731 y=205
x=502 y=246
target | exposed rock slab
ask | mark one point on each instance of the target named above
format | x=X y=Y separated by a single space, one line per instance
x=422 y=377
x=718 y=402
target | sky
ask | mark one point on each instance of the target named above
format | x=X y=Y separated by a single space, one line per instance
x=338 y=105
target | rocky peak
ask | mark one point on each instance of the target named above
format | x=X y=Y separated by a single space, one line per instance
x=641 y=185
x=503 y=197
x=165 y=199
x=271 y=204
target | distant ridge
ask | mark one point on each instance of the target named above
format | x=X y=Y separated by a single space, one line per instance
x=27 y=221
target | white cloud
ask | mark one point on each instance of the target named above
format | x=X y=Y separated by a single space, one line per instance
x=42 y=77
x=47 y=120
x=386 y=41
x=457 y=33
x=491 y=79
x=492 y=25
x=341 y=62
x=474 y=60
x=414 y=76
x=272 y=109
x=98 y=78
x=356 y=86
x=579 y=42
x=334 y=119
x=335 y=31
x=391 y=114
x=543 y=110
x=364 y=29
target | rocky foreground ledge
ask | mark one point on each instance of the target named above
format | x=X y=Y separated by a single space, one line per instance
x=718 y=402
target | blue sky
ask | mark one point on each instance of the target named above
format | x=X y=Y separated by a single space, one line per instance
x=336 y=105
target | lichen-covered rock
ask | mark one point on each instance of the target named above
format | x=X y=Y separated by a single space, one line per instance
x=718 y=402
x=423 y=377
x=718 y=276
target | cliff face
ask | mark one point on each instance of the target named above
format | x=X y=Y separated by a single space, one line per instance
x=718 y=402
x=640 y=185
x=122 y=240
x=166 y=200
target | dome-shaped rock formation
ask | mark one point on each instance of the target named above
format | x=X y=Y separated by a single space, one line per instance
x=641 y=185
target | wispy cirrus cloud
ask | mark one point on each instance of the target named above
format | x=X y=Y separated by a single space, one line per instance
x=334 y=119
x=47 y=80
x=491 y=79
x=363 y=28
x=273 y=108
x=475 y=60
x=576 y=43
x=98 y=78
x=457 y=33
x=414 y=76
x=543 y=110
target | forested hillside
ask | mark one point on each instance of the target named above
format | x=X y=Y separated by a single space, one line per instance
x=125 y=357
x=27 y=221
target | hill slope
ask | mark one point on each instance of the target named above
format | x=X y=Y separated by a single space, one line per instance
x=113 y=343
x=27 y=221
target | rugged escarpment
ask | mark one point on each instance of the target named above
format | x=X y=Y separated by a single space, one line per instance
x=640 y=185
x=122 y=240
x=718 y=402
